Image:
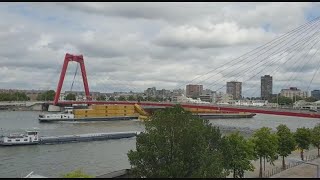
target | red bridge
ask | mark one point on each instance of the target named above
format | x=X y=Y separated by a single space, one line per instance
x=79 y=59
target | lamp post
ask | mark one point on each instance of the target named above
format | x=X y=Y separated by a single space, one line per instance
x=317 y=165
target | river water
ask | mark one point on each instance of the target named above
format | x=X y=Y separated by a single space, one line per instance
x=97 y=157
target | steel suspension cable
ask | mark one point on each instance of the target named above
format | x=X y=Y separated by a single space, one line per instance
x=276 y=39
x=250 y=67
x=259 y=72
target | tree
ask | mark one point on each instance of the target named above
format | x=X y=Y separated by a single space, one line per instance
x=122 y=98
x=150 y=98
x=17 y=96
x=131 y=98
x=111 y=98
x=71 y=97
x=238 y=153
x=296 y=98
x=265 y=145
x=311 y=99
x=140 y=98
x=282 y=100
x=303 y=139
x=101 y=98
x=315 y=137
x=76 y=174
x=46 y=96
x=286 y=142
x=177 y=144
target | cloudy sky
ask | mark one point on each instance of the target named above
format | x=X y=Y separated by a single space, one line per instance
x=133 y=46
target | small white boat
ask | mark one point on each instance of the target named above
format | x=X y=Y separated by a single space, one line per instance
x=30 y=137
x=68 y=114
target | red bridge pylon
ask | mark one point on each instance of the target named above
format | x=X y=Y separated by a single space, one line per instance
x=67 y=59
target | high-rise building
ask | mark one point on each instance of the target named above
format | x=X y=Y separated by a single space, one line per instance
x=266 y=87
x=234 y=88
x=293 y=92
x=315 y=94
x=193 y=90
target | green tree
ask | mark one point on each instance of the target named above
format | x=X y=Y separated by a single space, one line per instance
x=112 y=98
x=265 y=145
x=121 y=98
x=177 y=144
x=71 y=97
x=286 y=142
x=315 y=137
x=282 y=100
x=311 y=99
x=77 y=174
x=140 y=98
x=18 y=96
x=101 y=98
x=46 y=96
x=303 y=139
x=150 y=98
x=131 y=98
x=238 y=153
x=296 y=98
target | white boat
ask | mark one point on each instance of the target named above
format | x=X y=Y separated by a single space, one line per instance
x=68 y=114
x=30 y=137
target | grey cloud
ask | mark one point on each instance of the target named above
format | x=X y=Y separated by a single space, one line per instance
x=216 y=35
x=137 y=51
x=153 y=11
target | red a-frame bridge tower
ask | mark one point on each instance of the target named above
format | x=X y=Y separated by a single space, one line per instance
x=67 y=59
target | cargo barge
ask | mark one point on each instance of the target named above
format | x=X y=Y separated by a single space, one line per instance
x=31 y=138
x=129 y=112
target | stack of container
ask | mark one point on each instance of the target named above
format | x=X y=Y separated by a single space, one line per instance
x=202 y=110
x=106 y=111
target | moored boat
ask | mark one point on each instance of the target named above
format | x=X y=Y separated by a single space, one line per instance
x=29 y=137
x=68 y=114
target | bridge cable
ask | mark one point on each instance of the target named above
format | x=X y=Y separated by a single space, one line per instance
x=294 y=75
x=259 y=72
x=259 y=55
x=278 y=38
x=300 y=70
x=314 y=74
x=250 y=67
x=75 y=74
x=276 y=70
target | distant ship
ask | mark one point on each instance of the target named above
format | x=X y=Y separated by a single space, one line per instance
x=129 y=112
x=96 y=113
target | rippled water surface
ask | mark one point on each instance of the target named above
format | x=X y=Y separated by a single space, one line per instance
x=98 y=157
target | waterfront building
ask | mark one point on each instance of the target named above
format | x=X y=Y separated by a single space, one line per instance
x=234 y=88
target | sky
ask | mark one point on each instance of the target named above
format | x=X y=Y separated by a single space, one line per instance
x=133 y=46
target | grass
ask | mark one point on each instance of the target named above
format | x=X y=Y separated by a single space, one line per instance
x=77 y=174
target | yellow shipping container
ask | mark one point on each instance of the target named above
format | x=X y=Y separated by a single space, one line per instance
x=110 y=111
x=100 y=111
x=112 y=115
x=100 y=107
x=120 y=107
x=100 y=115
